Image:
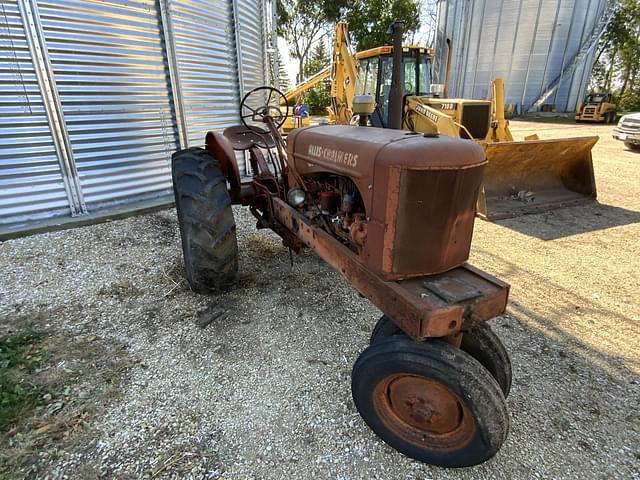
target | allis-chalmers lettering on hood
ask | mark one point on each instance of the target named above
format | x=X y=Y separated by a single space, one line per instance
x=331 y=154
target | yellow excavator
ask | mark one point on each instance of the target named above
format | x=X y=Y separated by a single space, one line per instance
x=521 y=177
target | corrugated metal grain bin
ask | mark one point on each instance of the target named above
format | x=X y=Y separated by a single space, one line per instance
x=543 y=49
x=95 y=96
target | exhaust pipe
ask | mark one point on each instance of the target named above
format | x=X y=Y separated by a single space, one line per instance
x=397 y=82
x=448 y=70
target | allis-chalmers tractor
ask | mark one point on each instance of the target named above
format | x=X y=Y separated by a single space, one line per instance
x=393 y=212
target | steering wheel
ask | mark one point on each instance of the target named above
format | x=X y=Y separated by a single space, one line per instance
x=263 y=102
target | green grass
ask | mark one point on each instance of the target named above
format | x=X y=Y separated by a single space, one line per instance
x=19 y=358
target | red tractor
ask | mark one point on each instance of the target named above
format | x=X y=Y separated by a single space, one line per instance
x=393 y=212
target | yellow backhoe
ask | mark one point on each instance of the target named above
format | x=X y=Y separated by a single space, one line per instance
x=521 y=177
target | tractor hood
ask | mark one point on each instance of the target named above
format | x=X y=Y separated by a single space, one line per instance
x=419 y=192
x=361 y=153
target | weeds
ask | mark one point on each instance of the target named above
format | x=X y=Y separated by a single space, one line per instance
x=52 y=387
x=19 y=358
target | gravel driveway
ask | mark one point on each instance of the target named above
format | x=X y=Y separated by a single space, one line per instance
x=263 y=390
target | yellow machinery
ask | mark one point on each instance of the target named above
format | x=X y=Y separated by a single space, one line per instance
x=342 y=73
x=521 y=177
x=597 y=107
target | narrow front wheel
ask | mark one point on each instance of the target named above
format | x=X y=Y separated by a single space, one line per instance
x=430 y=401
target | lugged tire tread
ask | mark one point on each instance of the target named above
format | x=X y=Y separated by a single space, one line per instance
x=207 y=226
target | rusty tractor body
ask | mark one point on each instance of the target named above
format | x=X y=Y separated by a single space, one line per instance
x=393 y=212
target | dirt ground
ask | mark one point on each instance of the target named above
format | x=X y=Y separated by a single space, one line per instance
x=263 y=391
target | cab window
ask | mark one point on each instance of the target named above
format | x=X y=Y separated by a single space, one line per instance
x=367 y=77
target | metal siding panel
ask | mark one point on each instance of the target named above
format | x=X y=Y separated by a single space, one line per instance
x=590 y=20
x=111 y=74
x=250 y=16
x=528 y=55
x=205 y=51
x=31 y=183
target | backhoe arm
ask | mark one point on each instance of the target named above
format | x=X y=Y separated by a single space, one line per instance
x=499 y=131
x=307 y=84
x=343 y=75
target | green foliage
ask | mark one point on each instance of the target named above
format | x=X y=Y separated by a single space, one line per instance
x=318 y=98
x=630 y=101
x=318 y=61
x=18 y=356
x=283 y=78
x=284 y=83
x=617 y=65
x=369 y=20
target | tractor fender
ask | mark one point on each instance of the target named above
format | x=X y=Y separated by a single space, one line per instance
x=220 y=147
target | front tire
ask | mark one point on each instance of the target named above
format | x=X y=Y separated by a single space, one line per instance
x=632 y=146
x=478 y=340
x=430 y=401
x=205 y=217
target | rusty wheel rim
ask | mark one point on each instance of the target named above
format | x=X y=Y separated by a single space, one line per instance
x=423 y=412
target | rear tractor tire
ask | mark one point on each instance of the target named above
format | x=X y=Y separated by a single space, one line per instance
x=430 y=401
x=478 y=340
x=205 y=217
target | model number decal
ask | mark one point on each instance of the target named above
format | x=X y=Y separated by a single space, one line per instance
x=427 y=113
x=333 y=155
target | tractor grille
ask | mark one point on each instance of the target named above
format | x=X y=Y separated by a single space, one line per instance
x=433 y=233
x=476 y=119
x=590 y=110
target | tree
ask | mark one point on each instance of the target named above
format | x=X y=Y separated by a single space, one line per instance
x=617 y=63
x=428 y=23
x=283 y=78
x=318 y=60
x=369 y=20
x=284 y=82
x=303 y=22
x=319 y=96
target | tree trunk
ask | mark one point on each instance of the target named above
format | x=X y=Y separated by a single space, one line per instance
x=627 y=74
x=599 y=54
x=607 y=78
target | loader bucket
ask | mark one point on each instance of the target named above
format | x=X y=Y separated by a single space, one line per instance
x=536 y=175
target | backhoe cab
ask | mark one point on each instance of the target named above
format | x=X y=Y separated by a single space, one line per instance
x=425 y=109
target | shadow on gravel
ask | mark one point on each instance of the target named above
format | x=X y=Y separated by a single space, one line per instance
x=560 y=305
x=575 y=373
x=577 y=389
x=571 y=221
x=608 y=365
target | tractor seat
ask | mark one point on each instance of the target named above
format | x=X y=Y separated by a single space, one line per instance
x=243 y=138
